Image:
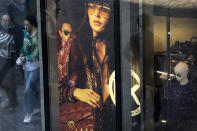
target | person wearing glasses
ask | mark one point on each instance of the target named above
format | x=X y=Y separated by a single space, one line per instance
x=64 y=32
x=85 y=102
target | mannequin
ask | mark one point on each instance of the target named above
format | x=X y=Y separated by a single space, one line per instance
x=182 y=100
x=181 y=70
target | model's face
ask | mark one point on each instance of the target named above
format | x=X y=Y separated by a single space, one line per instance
x=180 y=76
x=28 y=26
x=181 y=71
x=65 y=32
x=98 y=17
x=6 y=21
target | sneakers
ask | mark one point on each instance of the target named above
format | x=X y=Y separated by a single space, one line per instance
x=35 y=112
x=27 y=118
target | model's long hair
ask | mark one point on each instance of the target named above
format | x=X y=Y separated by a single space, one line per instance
x=88 y=43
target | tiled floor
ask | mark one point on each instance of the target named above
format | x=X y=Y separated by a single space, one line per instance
x=13 y=121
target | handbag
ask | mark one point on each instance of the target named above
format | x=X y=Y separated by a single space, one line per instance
x=19 y=61
x=76 y=116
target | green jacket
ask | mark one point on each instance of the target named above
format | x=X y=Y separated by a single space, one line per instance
x=30 y=48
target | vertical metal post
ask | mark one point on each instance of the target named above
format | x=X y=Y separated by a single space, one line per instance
x=41 y=65
x=43 y=62
x=168 y=58
x=142 y=92
x=125 y=35
x=117 y=64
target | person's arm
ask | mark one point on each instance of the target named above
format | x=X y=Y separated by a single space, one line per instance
x=67 y=87
x=66 y=92
x=22 y=51
x=69 y=92
x=72 y=94
x=34 y=54
x=67 y=81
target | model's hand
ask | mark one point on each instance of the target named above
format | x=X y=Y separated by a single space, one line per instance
x=87 y=96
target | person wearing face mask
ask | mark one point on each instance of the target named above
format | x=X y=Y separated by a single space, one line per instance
x=91 y=63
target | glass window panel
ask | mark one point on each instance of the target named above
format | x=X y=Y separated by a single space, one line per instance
x=20 y=88
x=174 y=65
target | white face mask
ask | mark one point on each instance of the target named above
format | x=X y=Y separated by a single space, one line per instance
x=181 y=72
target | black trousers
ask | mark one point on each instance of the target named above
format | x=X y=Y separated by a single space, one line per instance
x=8 y=79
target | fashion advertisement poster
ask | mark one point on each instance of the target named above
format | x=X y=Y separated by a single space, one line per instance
x=86 y=65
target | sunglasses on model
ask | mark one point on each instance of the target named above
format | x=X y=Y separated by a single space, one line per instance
x=177 y=74
x=66 y=32
x=103 y=9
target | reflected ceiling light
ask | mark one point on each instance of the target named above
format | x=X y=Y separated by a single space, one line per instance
x=163 y=121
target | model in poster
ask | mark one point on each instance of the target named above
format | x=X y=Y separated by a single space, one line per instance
x=84 y=94
x=64 y=33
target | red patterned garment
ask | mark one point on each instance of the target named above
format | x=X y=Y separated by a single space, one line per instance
x=76 y=117
x=66 y=82
x=74 y=73
x=63 y=59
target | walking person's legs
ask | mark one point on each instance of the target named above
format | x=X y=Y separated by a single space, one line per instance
x=8 y=82
x=30 y=91
x=11 y=88
x=12 y=97
x=36 y=97
x=28 y=97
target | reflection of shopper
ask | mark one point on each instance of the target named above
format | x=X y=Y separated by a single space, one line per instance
x=7 y=61
x=86 y=93
x=9 y=26
x=7 y=68
x=29 y=54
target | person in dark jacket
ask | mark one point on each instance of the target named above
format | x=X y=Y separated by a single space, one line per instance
x=8 y=57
